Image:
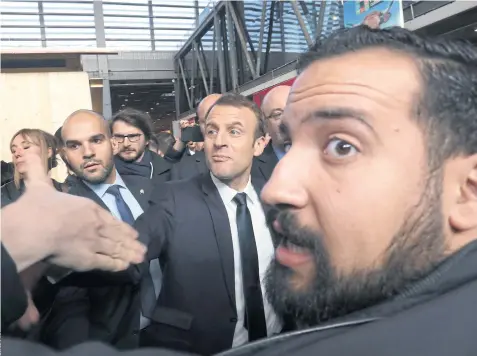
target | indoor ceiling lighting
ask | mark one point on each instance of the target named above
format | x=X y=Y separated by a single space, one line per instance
x=475 y=29
x=125 y=99
x=132 y=93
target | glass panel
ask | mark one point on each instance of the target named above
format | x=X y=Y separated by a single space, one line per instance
x=128 y=34
x=126 y=21
x=71 y=8
x=23 y=6
x=60 y=20
x=70 y=33
x=20 y=20
x=19 y=33
x=112 y=9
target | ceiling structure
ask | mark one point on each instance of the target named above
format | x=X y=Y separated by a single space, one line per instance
x=157 y=98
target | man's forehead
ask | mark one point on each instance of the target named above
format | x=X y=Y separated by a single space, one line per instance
x=83 y=126
x=121 y=126
x=390 y=72
x=367 y=80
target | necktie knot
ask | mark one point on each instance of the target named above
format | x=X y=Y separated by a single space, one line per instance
x=114 y=190
x=241 y=199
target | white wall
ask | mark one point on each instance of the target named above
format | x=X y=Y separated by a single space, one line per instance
x=40 y=100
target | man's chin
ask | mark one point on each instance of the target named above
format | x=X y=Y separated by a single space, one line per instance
x=128 y=157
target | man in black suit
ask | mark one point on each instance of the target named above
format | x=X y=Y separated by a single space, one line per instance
x=211 y=234
x=189 y=165
x=272 y=106
x=106 y=307
x=132 y=130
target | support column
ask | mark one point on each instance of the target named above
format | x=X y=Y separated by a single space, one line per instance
x=42 y=23
x=103 y=65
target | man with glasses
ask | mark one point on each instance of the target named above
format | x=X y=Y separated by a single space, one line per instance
x=132 y=131
x=272 y=106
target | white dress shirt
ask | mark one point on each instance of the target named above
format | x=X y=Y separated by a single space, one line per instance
x=265 y=252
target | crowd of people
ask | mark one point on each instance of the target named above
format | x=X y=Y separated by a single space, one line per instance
x=339 y=218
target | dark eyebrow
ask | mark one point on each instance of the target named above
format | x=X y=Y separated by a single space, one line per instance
x=340 y=114
x=97 y=137
x=70 y=142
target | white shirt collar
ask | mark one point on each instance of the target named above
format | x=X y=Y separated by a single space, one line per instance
x=100 y=189
x=228 y=194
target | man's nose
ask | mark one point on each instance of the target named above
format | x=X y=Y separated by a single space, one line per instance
x=220 y=140
x=287 y=185
x=88 y=152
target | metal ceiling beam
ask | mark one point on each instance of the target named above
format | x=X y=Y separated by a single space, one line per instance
x=282 y=25
x=186 y=89
x=201 y=67
x=220 y=53
x=232 y=42
x=260 y=38
x=212 y=71
x=151 y=25
x=296 y=10
x=243 y=42
x=321 y=19
x=269 y=36
x=201 y=29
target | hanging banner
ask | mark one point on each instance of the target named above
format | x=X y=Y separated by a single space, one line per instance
x=375 y=14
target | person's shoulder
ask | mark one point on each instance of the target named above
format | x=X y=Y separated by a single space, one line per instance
x=176 y=189
x=158 y=160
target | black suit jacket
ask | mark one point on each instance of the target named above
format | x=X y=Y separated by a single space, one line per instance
x=264 y=164
x=98 y=305
x=189 y=166
x=187 y=226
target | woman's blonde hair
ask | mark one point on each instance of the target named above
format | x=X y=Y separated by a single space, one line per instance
x=43 y=140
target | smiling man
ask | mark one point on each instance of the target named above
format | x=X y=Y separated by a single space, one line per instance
x=376 y=200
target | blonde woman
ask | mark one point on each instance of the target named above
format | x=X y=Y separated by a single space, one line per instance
x=31 y=141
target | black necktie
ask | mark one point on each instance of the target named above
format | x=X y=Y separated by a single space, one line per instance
x=254 y=312
x=148 y=296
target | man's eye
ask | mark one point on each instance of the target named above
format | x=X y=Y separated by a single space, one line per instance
x=340 y=148
x=235 y=132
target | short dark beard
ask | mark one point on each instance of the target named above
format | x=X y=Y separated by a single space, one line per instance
x=413 y=253
x=95 y=180
x=136 y=157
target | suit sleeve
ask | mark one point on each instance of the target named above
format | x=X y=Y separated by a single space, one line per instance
x=12 y=346
x=14 y=298
x=156 y=225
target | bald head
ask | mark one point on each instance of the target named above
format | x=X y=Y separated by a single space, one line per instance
x=206 y=104
x=85 y=115
x=273 y=105
x=88 y=147
x=275 y=99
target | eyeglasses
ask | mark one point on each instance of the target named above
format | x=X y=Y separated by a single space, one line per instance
x=131 y=138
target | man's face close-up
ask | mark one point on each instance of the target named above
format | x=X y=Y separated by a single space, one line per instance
x=358 y=215
x=131 y=142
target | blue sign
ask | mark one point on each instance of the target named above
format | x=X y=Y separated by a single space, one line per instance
x=375 y=14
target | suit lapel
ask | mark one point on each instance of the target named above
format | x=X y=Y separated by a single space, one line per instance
x=140 y=188
x=160 y=165
x=222 y=231
x=82 y=190
x=200 y=162
x=267 y=162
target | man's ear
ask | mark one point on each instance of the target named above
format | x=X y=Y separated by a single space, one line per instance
x=463 y=216
x=259 y=146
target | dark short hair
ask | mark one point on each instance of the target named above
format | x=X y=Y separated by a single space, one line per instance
x=446 y=107
x=136 y=118
x=165 y=140
x=240 y=101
